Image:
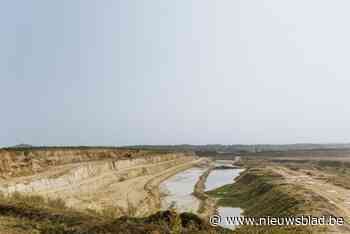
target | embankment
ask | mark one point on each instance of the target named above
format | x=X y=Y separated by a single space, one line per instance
x=261 y=192
x=94 y=178
x=208 y=205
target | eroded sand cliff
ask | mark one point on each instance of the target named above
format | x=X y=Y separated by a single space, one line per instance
x=92 y=178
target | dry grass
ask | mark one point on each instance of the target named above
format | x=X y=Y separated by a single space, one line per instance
x=34 y=214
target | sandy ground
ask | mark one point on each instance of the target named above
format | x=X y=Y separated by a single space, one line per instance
x=103 y=188
x=336 y=195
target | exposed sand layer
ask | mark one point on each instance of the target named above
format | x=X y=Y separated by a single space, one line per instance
x=179 y=189
x=338 y=196
x=127 y=180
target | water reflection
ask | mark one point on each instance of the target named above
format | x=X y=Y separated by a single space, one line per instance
x=221 y=177
x=179 y=189
x=218 y=178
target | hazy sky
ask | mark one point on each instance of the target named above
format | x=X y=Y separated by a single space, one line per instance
x=169 y=72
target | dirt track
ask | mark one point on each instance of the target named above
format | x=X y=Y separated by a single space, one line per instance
x=336 y=195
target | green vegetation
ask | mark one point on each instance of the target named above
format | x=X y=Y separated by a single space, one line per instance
x=21 y=214
x=217 y=149
x=332 y=171
x=261 y=193
x=257 y=194
x=29 y=148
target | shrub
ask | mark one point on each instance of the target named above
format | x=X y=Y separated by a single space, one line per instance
x=56 y=203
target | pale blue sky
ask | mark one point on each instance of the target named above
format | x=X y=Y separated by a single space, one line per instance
x=170 y=72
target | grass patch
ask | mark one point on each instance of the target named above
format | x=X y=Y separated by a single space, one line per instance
x=261 y=193
x=258 y=194
x=34 y=214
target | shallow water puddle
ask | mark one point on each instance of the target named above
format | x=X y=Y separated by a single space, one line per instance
x=179 y=189
x=229 y=212
x=221 y=177
x=218 y=178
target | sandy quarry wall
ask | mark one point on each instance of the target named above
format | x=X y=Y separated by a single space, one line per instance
x=92 y=179
x=123 y=169
x=26 y=162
